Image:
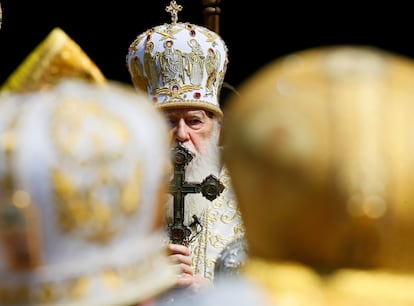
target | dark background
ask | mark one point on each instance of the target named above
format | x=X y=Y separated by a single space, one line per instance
x=255 y=32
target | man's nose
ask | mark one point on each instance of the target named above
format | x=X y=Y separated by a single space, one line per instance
x=182 y=133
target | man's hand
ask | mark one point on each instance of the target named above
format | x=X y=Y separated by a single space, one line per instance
x=181 y=255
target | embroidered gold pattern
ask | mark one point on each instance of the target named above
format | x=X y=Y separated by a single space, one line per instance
x=87 y=205
x=221 y=225
x=173 y=72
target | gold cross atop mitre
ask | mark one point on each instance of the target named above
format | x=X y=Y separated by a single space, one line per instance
x=173 y=9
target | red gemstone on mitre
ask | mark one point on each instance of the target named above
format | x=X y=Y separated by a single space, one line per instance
x=197 y=95
x=193 y=33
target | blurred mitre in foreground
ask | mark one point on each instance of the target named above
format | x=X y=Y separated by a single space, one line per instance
x=84 y=170
x=320 y=147
x=56 y=57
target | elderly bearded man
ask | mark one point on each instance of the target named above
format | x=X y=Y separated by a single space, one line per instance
x=191 y=105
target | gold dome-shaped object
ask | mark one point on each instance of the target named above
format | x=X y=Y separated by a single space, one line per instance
x=82 y=176
x=320 y=146
x=57 y=56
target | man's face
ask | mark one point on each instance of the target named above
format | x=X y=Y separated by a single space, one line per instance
x=198 y=131
x=195 y=128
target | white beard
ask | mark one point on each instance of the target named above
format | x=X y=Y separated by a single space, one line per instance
x=203 y=164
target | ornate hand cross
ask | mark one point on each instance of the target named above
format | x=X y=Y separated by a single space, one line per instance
x=210 y=188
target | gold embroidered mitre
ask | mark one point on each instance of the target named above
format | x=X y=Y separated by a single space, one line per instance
x=82 y=176
x=179 y=64
x=319 y=145
x=326 y=136
x=56 y=57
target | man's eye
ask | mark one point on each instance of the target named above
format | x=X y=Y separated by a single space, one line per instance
x=172 y=122
x=194 y=121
